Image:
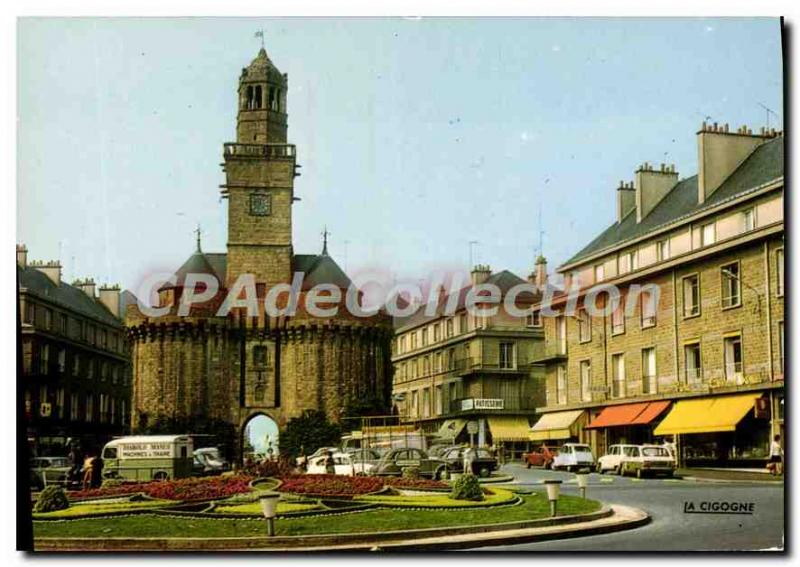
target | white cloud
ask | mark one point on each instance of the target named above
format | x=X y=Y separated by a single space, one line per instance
x=709 y=29
x=556 y=48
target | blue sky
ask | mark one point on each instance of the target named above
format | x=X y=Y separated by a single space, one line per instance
x=415 y=136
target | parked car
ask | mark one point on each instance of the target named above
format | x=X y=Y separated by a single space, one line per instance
x=574 y=456
x=612 y=460
x=540 y=457
x=208 y=461
x=343 y=464
x=318 y=453
x=395 y=461
x=148 y=457
x=439 y=450
x=482 y=465
x=48 y=470
x=647 y=459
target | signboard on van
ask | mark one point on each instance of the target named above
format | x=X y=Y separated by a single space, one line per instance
x=146 y=450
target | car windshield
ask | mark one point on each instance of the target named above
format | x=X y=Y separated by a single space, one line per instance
x=655 y=452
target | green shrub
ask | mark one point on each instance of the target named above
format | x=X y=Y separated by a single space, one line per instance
x=51 y=499
x=411 y=473
x=467 y=487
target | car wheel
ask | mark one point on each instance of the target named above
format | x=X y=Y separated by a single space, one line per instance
x=528 y=464
x=619 y=470
x=483 y=472
x=639 y=473
x=161 y=476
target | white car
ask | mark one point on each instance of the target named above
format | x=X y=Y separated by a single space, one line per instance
x=574 y=456
x=612 y=460
x=648 y=459
x=343 y=464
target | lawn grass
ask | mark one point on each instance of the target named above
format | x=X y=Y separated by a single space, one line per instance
x=438 y=500
x=255 y=507
x=156 y=526
x=96 y=509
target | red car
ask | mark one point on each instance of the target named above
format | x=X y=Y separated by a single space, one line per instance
x=540 y=457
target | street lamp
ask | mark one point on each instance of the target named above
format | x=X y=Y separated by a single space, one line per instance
x=583 y=481
x=553 y=489
x=269 y=507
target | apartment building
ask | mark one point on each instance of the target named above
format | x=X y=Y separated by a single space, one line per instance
x=75 y=376
x=468 y=378
x=693 y=353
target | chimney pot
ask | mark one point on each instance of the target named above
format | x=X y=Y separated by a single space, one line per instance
x=109 y=296
x=22 y=256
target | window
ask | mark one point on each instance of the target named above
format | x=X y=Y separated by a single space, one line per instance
x=62 y=360
x=584 y=326
x=439 y=366
x=90 y=369
x=618 y=319
x=618 y=369
x=623 y=264
x=89 y=408
x=424 y=339
x=415 y=403
x=426 y=402
x=561 y=384
x=451 y=359
x=73 y=407
x=507 y=355
x=649 y=370
x=437 y=401
x=462 y=323
x=449 y=328
x=426 y=365
x=534 y=319
x=733 y=360
x=437 y=333
x=260 y=356
x=44 y=359
x=731 y=285
x=780 y=342
x=691 y=295
x=693 y=363
x=48 y=319
x=648 y=309
x=633 y=259
x=30 y=313
x=663 y=250
x=413 y=340
x=63 y=327
x=748 y=220
x=586 y=380
x=561 y=335
x=76 y=364
x=599 y=273
x=779 y=270
x=709 y=234
x=60 y=406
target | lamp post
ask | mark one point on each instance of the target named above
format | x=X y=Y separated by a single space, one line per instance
x=269 y=507
x=583 y=481
x=553 y=489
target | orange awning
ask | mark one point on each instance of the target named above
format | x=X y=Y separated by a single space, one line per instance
x=628 y=414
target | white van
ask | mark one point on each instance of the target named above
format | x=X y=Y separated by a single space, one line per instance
x=148 y=457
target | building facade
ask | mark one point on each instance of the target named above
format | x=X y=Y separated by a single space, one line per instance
x=75 y=375
x=693 y=353
x=235 y=367
x=451 y=370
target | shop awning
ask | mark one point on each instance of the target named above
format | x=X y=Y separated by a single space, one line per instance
x=508 y=428
x=628 y=414
x=556 y=425
x=451 y=428
x=706 y=415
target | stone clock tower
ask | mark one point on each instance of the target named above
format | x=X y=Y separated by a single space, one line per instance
x=260 y=170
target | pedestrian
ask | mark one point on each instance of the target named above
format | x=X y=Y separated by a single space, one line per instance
x=302 y=460
x=75 y=460
x=469 y=458
x=330 y=467
x=775 y=465
x=87 y=471
x=97 y=470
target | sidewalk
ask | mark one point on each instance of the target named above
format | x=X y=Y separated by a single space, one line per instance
x=723 y=475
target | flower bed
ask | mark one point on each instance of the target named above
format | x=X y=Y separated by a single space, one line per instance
x=187 y=489
x=418 y=483
x=331 y=485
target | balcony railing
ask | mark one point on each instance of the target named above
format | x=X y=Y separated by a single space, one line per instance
x=475 y=364
x=734 y=373
x=272 y=151
x=552 y=351
x=694 y=375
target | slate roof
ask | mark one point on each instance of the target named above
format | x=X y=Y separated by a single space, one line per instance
x=70 y=297
x=504 y=280
x=764 y=164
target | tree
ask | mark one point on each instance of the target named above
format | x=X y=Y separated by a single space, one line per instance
x=310 y=431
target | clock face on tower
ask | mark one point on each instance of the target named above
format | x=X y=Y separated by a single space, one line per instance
x=260 y=204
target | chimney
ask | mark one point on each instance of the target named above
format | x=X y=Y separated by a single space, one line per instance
x=86 y=286
x=51 y=269
x=109 y=296
x=719 y=153
x=480 y=274
x=626 y=200
x=652 y=185
x=22 y=256
x=541 y=271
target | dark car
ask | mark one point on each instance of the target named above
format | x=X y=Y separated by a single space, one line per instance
x=49 y=470
x=395 y=461
x=482 y=465
x=540 y=457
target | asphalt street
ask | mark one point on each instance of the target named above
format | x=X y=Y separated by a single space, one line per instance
x=671 y=528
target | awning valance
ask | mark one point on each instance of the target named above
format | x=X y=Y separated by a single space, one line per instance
x=628 y=414
x=509 y=428
x=706 y=415
x=556 y=425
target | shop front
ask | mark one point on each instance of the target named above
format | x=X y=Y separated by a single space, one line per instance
x=558 y=427
x=626 y=423
x=510 y=435
x=720 y=431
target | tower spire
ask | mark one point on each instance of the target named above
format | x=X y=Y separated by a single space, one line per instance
x=325 y=235
x=198 y=232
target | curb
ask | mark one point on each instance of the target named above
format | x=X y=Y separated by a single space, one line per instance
x=729 y=481
x=607 y=519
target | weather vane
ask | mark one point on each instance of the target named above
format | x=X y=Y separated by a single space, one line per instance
x=198 y=232
x=260 y=34
x=325 y=235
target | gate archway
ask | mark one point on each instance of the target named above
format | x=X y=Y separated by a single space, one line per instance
x=259 y=437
